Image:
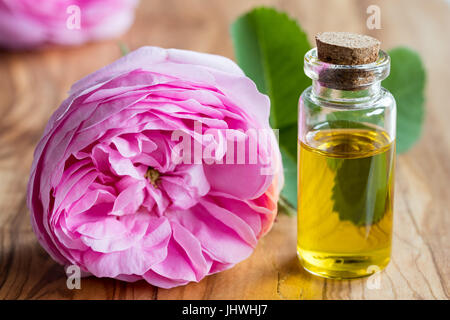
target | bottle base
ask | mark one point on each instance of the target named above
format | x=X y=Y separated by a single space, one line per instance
x=344 y=266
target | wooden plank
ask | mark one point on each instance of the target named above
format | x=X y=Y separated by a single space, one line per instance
x=32 y=85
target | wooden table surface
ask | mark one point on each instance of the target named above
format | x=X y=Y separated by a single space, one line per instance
x=33 y=84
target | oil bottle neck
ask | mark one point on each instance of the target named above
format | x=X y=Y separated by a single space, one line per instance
x=355 y=95
x=346 y=84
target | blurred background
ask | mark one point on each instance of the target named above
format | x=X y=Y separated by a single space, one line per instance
x=34 y=83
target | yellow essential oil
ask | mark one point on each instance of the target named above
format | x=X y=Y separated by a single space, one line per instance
x=345 y=199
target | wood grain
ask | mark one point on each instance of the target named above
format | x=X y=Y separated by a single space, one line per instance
x=33 y=84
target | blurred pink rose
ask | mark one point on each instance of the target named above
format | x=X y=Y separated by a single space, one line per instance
x=29 y=23
x=106 y=194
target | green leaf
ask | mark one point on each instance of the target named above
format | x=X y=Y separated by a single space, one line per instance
x=285 y=207
x=123 y=48
x=289 y=191
x=288 y=145
x=269 y=47
x=407 y=82
x=362 y=188
x=361 y=192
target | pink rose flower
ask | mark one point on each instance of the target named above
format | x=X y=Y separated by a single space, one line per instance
x=107 y=194
x=29 y=23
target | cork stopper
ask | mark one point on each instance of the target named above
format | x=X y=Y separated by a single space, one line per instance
x=346 y=48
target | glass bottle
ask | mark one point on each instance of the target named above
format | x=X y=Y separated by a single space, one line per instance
x=346 y=153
